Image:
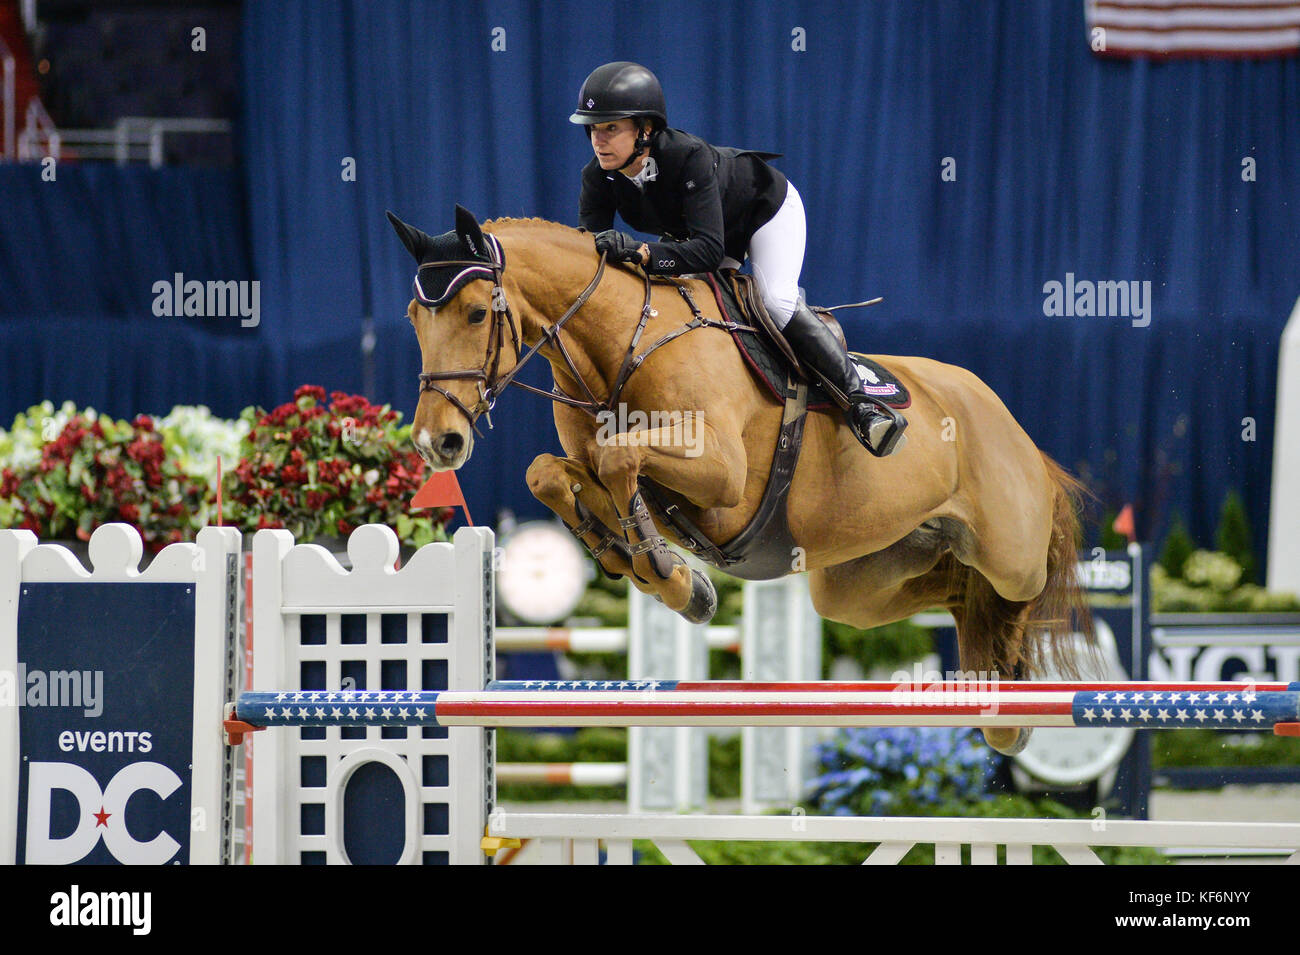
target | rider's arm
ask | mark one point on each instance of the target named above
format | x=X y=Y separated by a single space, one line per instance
x=702 y=250
x=596 y=205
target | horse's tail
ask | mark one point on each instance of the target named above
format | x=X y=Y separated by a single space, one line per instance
x=1061 y=610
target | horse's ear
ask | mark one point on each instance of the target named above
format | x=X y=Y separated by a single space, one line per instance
x=417 y=243
x=467 y=228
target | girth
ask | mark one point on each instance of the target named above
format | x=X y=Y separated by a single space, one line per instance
x=764 y=549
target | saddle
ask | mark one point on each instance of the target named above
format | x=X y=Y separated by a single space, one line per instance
x=771 y=358
x=763 y=549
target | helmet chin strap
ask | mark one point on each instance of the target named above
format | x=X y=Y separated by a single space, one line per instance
x=642 y=142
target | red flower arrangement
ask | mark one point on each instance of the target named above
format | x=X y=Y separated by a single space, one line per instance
x=99 y=471
x=321 y=469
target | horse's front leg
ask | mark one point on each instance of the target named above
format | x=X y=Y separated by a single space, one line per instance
x=705 y=467
x=572 y=491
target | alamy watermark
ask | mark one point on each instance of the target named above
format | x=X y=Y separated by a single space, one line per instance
x=78 y=907
x=932 y=688
x=659 y=429
x=1085 y=298
x=194 y=299
x=72 y=688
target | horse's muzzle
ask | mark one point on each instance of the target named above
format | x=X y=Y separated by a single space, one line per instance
x=445 y=450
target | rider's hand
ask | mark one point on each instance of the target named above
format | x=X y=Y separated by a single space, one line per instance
x=619 y=246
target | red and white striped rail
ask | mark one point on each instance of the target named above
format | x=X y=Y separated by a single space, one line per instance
x=563 y=774
x=593 y=639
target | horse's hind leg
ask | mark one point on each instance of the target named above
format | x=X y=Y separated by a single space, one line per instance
x=915 y=574
x=905 y=578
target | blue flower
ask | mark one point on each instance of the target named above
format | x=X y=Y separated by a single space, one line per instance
x=874 y=769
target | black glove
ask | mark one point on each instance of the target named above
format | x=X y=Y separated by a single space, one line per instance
x=620 y=246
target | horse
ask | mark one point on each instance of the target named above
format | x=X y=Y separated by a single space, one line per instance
x=971 y=516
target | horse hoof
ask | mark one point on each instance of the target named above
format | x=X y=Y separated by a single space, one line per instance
x=704 y=599
x=1002 y=740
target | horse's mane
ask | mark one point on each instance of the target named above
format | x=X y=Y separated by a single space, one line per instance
x=530 y=221
x=554 y=231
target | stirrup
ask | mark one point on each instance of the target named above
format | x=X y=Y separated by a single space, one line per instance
x=884 y=432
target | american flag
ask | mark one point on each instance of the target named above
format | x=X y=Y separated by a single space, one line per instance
x=1169 y=28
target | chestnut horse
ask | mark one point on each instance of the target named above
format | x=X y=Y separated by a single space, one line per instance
x=971 y=516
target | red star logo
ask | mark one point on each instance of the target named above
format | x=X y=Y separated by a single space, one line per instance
x=102 y=818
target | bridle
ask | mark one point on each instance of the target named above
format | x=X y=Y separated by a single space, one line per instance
x=491 y=384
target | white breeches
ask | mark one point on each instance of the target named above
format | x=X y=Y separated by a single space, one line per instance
x=776 y=253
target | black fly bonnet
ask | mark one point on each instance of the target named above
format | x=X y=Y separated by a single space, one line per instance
x=446 y=267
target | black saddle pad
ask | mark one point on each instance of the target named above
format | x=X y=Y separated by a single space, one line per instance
x=771 y=368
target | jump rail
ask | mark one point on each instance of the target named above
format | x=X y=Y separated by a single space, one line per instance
x=1148 y=705
x=563 y=774
x=594 y=639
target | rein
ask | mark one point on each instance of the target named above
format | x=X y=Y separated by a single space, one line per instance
x=492 y=385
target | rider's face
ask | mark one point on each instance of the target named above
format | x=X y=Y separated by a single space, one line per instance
x=613 y=142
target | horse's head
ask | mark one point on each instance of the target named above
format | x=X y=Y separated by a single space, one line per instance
x=468 y=338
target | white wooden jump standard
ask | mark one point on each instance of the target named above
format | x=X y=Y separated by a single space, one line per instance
x=291 y=582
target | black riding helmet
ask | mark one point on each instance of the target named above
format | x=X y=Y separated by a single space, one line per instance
x=618 y=90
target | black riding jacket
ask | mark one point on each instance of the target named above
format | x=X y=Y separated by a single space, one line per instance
x=706 y=202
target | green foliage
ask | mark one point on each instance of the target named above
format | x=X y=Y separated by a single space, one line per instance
x=1233 y=536
x=605 y=600
x=1171 y=595
x=1188 y=580
x=1211 y=570
x=1109 y=538
x=1197 y=747
x=731 y=597
x=1210 y=588
x=764 y=853
x=318 y=469
x=724 y=767
x=1179 y=545
x=893 y=645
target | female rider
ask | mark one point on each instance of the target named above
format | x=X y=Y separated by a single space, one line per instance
x=712 y=206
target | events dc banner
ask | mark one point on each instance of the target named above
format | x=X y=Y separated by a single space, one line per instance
x=105 y=686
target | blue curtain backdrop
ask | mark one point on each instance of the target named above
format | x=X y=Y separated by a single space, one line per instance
x=1065 y=163
x=79 y=257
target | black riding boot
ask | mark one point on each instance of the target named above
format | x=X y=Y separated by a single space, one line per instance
x=880 y=429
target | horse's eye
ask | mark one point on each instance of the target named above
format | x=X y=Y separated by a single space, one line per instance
x=477 y=314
